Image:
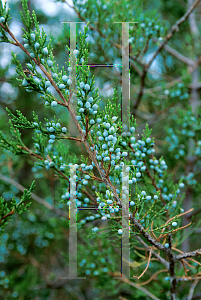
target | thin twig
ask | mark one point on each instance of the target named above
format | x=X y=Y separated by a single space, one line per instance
x=124 y=279
x=146 y=266
x=190 y=295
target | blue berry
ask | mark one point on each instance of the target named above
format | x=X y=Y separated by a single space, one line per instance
x=64 y=78
x=132 y=203
x=95 y=107
x=50 y=63
x=166 y=245
x=69 y=82
x=51 y=129
x=33 y=37
x=82 y=85
x=143 y=193
x=138 y=174
x=87 y=87
x=26 y=46
x=62 y=86
x=36 y=45
x=174 y=224
x=24 y=82
x=45 y=50
x=90 y=99
x=32 y=55
x=54 y=75
x=88 y=105
x=155 y=197
x=2 y=20
x=124 y=153
x=52 y=136
x=51 y=164
x=75 y=52
x=54 y=103
x=148 y=140
x=30 y=66
x=95 y=229
x=64 y=129
x=51 y=141
x=47 y=83
x=37 y=80
x=120 y=231
x=105 y=269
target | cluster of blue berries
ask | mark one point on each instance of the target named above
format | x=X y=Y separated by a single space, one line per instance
x=177 y=137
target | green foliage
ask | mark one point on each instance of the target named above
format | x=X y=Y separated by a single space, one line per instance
x=6 y=211
x=158 y=160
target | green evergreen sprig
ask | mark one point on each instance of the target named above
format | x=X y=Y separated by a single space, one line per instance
x=6 y=211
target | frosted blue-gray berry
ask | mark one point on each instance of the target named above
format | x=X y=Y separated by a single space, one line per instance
x=54 y=103
x=32 y=55
x=148 y=140
x=37 y=80
x=51 y=141
x=36 y=45
x=88 y=105
x=75 y=52
x=69 y=69
x=51 y=164
x=64 y=78
x=64 y=129
x=120 y=231
x=90 y=99
x=33 y=37
x=54 y=75
x=50 y=63
x=45 y=50
x=24 y=82
x=95 y=107
x=51 y=129
x=132 y=203
x=47 y=83
x=52 y=136
x=174 y=224
x=181 y=185
x=30 y=66
x=87 y=87
x=138 y=174
x=143 y=193
x=69 y=82
x=166 y=245
x=26 y=46
x=62 y=86
x=2 y=20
